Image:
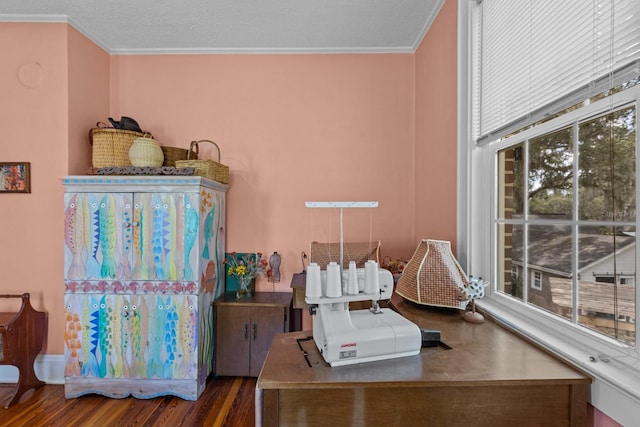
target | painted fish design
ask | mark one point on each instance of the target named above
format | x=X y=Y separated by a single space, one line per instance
x=73 y=232
x=170 y=338
x=205 y=197
x=125 y=335
x=190 y=233
x=138 y=337
x=179 y=236
x=72 y=328
x=114 y=360
x=123 y=237
x=188 y=337
x=208 y=232
x=104 y=335
x=140 y=268
x=90 y=331
x=108 y=236
x=158 y=236
x=137 y=239
x=92 y=237
x=69 y=221
x=170 y=248
x=144 y=265
x=157 y=320
x=146 y=222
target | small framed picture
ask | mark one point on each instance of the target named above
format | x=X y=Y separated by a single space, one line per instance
x=15 y=177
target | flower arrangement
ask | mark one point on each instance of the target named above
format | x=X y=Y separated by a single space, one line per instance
x=245 y=268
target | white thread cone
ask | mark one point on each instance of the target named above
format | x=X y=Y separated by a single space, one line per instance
x=371 y=278
x=352 y=279
x=334 y=280
x=314 y=282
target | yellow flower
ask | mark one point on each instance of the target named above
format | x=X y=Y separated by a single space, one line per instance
x=245 y=266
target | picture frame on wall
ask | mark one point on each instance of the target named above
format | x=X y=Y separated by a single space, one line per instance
x=15 y=177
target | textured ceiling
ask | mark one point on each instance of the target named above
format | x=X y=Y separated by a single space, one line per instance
x=200 y=26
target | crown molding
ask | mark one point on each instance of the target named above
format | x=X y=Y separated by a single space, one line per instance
x=5 y=17
x=57 y=18
x=427 y=25
x=262 y=51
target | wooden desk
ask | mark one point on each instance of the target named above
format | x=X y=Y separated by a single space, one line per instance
x=489 y=377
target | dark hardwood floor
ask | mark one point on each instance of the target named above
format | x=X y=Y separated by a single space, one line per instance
x=226 y=401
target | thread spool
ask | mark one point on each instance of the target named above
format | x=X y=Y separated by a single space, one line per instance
x=352 y=279
x=334 y=280
x=371 y=278
x=314 y=282
x=361 y=280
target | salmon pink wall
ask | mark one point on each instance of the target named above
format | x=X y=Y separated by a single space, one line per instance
x=436 y=129
x=53 y=83
x=292 y=128
x=89 y=67
x=33 y=113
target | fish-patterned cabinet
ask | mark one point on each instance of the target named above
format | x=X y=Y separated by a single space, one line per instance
x=143 y=261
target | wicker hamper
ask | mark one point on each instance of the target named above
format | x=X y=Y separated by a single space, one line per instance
x=434 y=277
x=206 y=168
x=111 y=146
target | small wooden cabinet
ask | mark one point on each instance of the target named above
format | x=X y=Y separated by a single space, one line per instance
x=245 y=329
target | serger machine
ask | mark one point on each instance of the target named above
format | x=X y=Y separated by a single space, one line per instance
x=346 y=336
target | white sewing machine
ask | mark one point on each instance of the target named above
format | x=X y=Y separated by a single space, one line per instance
x=347 y=337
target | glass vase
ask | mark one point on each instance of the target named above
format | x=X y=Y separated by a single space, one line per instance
x=245 y=287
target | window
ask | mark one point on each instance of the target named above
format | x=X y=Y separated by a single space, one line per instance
x=537 y=281
x=564 y=218
x=552 y=184
x=564 y=211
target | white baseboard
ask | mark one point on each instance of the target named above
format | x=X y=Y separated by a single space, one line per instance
x=48 y=367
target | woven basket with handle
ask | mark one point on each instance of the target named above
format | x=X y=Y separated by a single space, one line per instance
x=206 y=168
x=111 y=146
x=173 y=154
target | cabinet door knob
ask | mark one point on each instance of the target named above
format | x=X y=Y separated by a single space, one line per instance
x=255 y=331
x=246 y=331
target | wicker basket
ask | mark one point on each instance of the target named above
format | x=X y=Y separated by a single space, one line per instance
x=146 y=152
x=111 y=146
x=206 y=168
x=360 y=252
x=434 y=277
x=173 y=154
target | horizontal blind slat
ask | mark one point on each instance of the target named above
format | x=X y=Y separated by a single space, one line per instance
x=536 y=52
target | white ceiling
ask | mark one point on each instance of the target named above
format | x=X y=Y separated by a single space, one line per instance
x=268 y=26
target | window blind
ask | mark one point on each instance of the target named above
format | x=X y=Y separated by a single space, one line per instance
x=539 y=57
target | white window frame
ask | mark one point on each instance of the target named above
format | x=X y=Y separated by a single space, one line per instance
x=615 y=390
x=536 y=280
